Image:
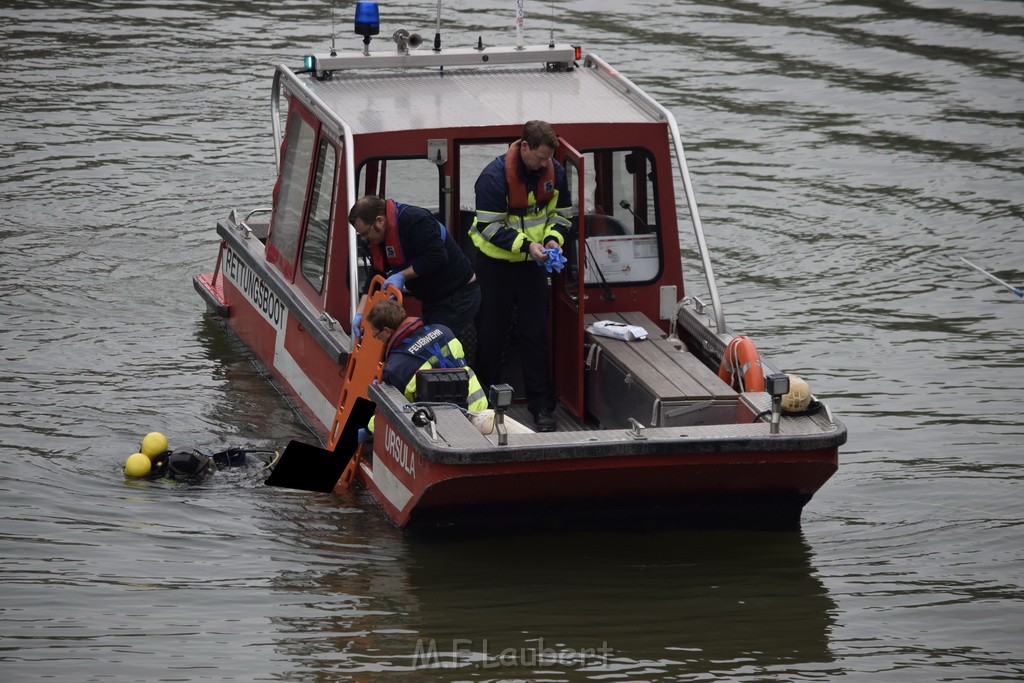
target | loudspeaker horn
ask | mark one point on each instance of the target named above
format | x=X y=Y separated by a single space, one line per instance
x=406 y=41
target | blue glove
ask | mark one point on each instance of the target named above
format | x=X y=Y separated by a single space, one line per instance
x=398 y=280
x=555 y=262
x=362 y=434
x=357 y=330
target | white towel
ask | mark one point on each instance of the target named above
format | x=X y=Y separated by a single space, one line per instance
x=615 y=330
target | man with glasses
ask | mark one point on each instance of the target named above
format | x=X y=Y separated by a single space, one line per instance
x=412 y=249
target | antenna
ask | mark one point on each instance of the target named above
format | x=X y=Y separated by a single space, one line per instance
x=519 y=24
x=551 y=40
x=334 y=53
x=437 y=30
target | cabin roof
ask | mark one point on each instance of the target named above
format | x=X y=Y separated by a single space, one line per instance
x=466 y=97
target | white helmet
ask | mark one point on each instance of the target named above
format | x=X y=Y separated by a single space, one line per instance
x=799 y=396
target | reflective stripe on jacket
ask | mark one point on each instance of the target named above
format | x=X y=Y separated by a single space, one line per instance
x=503 y=233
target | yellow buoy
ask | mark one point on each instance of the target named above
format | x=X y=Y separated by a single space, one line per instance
x=153 y=444
x=137 y=465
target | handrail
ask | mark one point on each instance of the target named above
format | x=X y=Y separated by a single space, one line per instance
x=343 y=134
x=593 y=60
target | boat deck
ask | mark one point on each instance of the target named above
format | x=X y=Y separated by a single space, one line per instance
x=565 y=421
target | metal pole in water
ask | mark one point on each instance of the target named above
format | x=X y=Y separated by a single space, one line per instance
x=1016 y=290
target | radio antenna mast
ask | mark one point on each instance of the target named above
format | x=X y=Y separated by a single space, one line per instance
x=519 y=24
x=334 y=52
x=437 y=30
x=551 y=40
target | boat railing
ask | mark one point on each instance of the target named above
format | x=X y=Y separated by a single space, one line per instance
x=342 y=132
x=593 y=61
x=243 y=224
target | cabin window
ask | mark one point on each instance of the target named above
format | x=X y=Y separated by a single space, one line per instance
x=407 y=181
x=291 y=194
x=416 y=181
x=472 y=160
x=622 y=249
x=314 y=246
x=620 y=217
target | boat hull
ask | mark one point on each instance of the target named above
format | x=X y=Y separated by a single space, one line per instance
x=664 y=478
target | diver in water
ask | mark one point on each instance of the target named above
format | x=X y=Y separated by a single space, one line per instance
x=192 y=465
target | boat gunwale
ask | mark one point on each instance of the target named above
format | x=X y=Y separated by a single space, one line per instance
x=561 y=446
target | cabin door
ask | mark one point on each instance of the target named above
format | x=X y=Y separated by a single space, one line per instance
x=568 y=295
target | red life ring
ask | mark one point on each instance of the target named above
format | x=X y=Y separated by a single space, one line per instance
x=741 y=365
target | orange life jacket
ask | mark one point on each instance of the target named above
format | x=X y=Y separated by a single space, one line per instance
x=388 y=255
x=518 y=194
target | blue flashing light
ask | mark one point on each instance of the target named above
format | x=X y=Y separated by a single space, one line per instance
x=367 y=19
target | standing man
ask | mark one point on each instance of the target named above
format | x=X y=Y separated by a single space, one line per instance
x=413 y=249
x=522 y=208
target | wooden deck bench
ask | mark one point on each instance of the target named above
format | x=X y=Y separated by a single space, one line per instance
x=651 y=380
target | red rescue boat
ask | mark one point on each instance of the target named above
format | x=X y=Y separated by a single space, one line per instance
x=665 y=415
